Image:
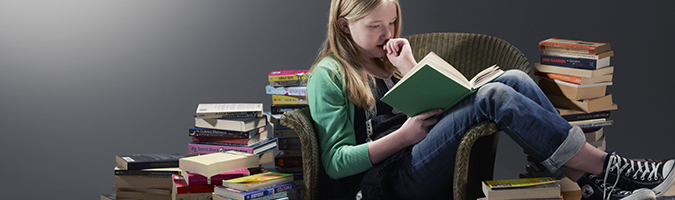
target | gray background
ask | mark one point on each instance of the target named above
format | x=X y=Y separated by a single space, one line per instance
x=81 y=81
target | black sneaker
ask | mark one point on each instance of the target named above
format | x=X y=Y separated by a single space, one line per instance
x=658 y=176
x=594 y=188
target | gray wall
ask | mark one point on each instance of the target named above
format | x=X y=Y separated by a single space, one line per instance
x=81 y=81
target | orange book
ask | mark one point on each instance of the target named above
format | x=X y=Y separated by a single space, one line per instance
x=575 y=46
x=575 y=79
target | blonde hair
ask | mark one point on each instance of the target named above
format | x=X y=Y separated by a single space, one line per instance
x=356 y=80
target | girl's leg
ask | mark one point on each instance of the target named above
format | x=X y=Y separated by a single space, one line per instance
x=538 y=129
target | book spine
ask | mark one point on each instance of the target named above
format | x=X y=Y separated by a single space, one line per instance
x=594 y=125
x=580 y=63
x=145 y=173
x=269 y=191
x=288 y=100
x=285 y=133
x=161 y=164
x=576 y=46
x=288 y=90
x=288 y=161
x=281 y=109
x=203 y=132
x=563 y=77
x=221 y=140
x=288 y=75
x=210 y=148
x=230 y=114
x=289 y=144
x=584 y=116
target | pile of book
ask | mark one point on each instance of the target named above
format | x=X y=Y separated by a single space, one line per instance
x=288 y=89
x=240 y=127
x=267 y=185
x=202 y=173
x=575 y=74
x=144 y=176
x=524 y=188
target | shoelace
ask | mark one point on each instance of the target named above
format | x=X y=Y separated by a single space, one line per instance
x=641 y=170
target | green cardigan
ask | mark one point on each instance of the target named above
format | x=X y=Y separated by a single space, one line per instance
x=333 y=116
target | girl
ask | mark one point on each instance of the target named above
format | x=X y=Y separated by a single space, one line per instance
x=396 y=156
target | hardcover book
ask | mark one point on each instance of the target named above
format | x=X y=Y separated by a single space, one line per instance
x=281 y=109
x=279 y=78
x=152 y=172
x=180 y=186
x=573 y=71
x=215 y=163
x=207 y=132
x=232 y=141
x=288 y=100
x=287 y=90
x=231 y=124
x=525 y=188
x=588 y=105
x=579 y=80
x=146 y=161
x=581 y=63
x=241 y=195
x=229 y=110
x=257 y=148
x=574 y=46
x=573 y=91
x=258 y=181
x=197 y=179
x=433 y=84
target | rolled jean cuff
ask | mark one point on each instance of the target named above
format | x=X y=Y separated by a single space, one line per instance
x=574 y=141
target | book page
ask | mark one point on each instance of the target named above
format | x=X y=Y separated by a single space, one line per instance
x=485 y=76
x=228 y=107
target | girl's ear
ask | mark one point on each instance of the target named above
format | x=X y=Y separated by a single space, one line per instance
x=344 y=25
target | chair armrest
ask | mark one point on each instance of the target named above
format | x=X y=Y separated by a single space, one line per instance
x=301 y=122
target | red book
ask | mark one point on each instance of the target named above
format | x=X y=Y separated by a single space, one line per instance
x=180 y=186
x=197 y=179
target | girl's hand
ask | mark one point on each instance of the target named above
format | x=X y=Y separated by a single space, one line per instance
x=416 y=128
x=400 y=54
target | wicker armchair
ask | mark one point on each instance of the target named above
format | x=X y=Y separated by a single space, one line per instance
x=470 y=53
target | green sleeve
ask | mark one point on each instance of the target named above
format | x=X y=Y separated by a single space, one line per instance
x=333 y=116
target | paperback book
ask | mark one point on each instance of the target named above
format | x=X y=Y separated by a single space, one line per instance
x=258 y=181
x=216 y=163
x=206 y=148
x=241 y=195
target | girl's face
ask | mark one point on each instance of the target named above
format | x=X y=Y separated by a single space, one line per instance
x=371 y=32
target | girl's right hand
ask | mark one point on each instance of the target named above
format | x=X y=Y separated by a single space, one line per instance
x=416 y=128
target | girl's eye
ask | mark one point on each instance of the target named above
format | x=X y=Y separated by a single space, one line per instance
x=375 y=26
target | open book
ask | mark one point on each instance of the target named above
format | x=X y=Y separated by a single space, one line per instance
x=432 y=84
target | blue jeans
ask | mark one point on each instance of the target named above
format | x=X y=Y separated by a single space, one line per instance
x=518 y=107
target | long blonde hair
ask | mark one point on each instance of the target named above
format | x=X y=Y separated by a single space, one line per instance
x=356 y=80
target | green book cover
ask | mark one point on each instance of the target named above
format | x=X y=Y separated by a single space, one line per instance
x=433 y=84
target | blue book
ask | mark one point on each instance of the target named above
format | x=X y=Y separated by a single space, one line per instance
x=580 y=63
x=241 y=195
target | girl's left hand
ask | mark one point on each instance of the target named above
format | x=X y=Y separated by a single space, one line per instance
x=400 y=54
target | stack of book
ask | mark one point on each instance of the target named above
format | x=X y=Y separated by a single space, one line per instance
x=524 y=188
x=240 y=127
x=575 y=74
x=144 y=176
x=267 y=185
x=289 y=90
x=202 y=173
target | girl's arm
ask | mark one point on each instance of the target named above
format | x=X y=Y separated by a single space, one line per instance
x=412 y=131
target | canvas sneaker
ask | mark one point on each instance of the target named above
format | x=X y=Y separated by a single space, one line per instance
x=594 y=188
x=629 y=174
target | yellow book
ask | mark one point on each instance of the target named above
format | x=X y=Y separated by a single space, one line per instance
x=525 y=188
x=288 y=100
